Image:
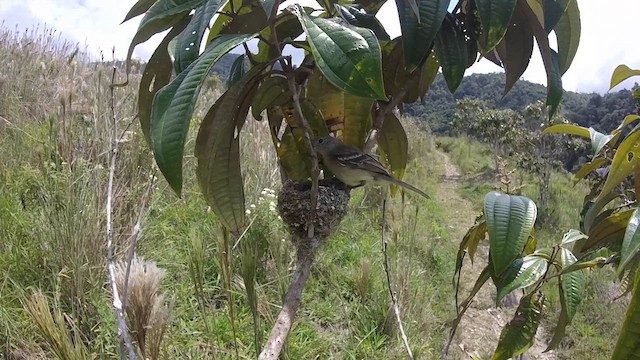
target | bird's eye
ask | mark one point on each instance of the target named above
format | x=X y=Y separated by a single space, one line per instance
x=320 y=141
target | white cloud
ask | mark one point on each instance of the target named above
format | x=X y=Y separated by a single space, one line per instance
x=608 y=34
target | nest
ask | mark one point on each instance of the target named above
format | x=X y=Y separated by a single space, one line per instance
x=294 y=205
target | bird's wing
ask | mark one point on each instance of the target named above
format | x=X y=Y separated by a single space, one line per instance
x=356 y=159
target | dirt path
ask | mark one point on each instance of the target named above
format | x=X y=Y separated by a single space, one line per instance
x=479 y=330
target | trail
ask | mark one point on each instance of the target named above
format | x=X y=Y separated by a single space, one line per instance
x=479 y=330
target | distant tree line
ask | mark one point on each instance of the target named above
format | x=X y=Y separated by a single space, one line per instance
x=437 y=108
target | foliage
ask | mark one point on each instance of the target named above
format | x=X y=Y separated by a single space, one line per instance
x=438 y=106
x=607 y=235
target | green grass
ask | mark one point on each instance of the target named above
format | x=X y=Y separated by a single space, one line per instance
x=54 y=156
x=597 y=323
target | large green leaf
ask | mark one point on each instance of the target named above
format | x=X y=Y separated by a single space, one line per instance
x=587 y=168
x=342 y=111
x=357 y=17
x=550 y=58
x=571 y=289
x=393 y=145
x=572 y=236
x=159 y=17
x=568 y=34
x=273 y=91
x=553 y=11
x=452 y=52
x=509 y=219
x=173 y=106
x=523 y=272
x=620 y=74
x=418 y=34
x=157 y=73
x=237 y=70
x=495 y=16
x=348 y=56
x=518 y=335
x=138 y=9
x=570 y=129
x=608 y=232
x=516 y=48
x=628 y=344
x=626 y=121
x=218 y=151
x=631 y=242
x=625 y=161
x=188 y=42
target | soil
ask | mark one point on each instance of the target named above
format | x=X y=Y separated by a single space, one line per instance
x=479 y=331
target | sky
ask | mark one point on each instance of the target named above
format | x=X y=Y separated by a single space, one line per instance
x=608 y=38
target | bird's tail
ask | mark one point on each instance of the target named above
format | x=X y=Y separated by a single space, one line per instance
x=409 y=186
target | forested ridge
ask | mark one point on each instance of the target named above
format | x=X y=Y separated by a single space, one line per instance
x=603 y=112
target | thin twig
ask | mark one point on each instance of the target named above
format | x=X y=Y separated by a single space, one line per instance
x=381 y=113
x=394 y=301
x=123 y=332
x=133 y=240
x=287 y=67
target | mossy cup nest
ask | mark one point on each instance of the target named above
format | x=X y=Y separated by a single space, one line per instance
x=294 y=205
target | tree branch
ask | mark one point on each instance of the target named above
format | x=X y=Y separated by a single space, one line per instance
x=123 y=331
x=381 y=113
x=287 y=315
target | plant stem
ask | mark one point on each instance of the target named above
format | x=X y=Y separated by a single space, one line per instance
x=382 y=111
x=123 y=331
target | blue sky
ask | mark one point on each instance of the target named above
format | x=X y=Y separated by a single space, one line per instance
x=608 y=34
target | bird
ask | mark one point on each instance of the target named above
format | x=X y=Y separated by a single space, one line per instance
x=354 y=167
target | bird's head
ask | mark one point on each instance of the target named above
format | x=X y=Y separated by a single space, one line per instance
x=324 y=144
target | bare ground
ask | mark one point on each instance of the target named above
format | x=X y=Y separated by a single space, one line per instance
x=479 y=330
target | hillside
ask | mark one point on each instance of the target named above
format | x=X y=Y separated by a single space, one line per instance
x=602 y=112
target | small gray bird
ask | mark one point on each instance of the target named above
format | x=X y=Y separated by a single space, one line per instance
x=354 y=167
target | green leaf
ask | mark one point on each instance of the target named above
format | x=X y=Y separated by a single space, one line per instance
x=418 y=34
x=625 y=161
x=598 y=140
x=348 y=56
x=620 y=74
x=267 y=5
x=495 y=16
x=572 y=236
x=523 y=272
x=587 y=168
x=273 y=91
x=568 y=34
x=157 y=73
x=237 y=70
x=357 y=17
x=218 y=151
x=138 y=9
x=341 y=111
x=188 y=42
x=630 y=243
x=516 y=49
x=470 y=241
x=393 y=145
x=572 y=289
x=509 y=219
x=597 y=262
x=553 y=11
x=518 y=335
x=569 y=129
x=627 y=120
x=550 y=58
x=608 y=232
x=160 y=16
x=573 y=284
x=451 y=49
x=173 y=106
x=628 y=344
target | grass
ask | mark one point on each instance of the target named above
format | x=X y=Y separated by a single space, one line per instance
x=54 y=130
x=593 y=330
